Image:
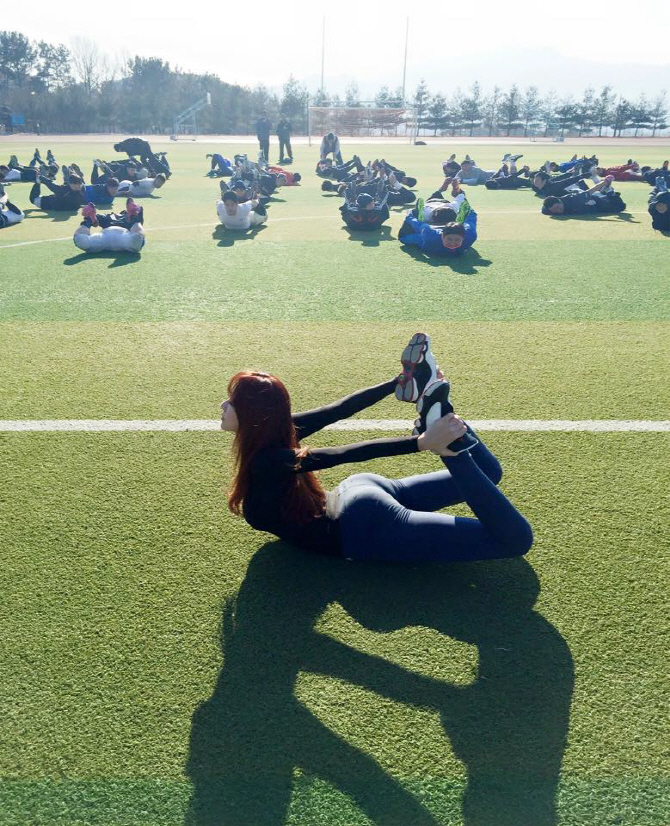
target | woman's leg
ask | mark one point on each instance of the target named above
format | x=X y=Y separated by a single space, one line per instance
x=434 y=491
x=376 y=527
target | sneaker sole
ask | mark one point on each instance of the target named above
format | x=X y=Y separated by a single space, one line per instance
x=417 y=351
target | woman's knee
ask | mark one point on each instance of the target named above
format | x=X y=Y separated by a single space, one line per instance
x=495 y=471
x=523 y=539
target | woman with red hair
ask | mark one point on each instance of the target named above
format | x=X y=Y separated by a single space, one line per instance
x=369 y=517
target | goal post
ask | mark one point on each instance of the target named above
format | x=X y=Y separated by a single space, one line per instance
x=364 y=121
x=186 y=122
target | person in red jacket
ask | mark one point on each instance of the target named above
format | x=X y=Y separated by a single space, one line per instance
x=289 y=178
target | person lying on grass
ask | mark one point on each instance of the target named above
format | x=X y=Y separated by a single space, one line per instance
x=284 y=177
x=10 y=214
x=652 y=175
x=383 y=169
x=26 y=174
x=120 y=232
x=568 y=166
x=122 y=171
x=143 y=188
x=545 y=184
x=659 y=206
x=600 y=198
x=67 y=197
x=451 y=239
x=365 y=206
x=341 y=172
x=509 y=176
x=220 y=166
x=236 y=215
x=368 y=517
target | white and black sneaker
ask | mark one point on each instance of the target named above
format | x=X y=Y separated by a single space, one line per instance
x=419 y=369
x=434 y=404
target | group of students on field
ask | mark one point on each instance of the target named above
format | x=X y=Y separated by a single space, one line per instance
x=136 y=176
x=244 y=200
x=439 y=226
x=563 y=186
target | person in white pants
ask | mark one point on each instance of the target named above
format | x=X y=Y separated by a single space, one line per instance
x=142 y=188
x=234 y=215
x=9 y=212
x=119 y=233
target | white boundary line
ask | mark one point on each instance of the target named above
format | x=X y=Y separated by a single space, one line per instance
x=211 y=224
x=358 y=425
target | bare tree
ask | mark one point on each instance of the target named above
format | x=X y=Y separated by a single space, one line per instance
x=90 y=67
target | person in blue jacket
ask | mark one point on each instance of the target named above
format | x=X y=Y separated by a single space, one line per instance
x=452 y=239
x=101 y=194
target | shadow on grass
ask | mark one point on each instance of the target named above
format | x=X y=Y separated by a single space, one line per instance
x=228 y=237
x=508 y=726
x=56 y=215
x=118 y=259
x=469 y=263
x=369 y=238
x=596 y=217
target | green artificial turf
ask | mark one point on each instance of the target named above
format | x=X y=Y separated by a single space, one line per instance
x=163 y=664
x=148 y=633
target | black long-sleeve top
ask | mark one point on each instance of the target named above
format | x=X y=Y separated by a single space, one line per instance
x=65 y=198
x=273 y=470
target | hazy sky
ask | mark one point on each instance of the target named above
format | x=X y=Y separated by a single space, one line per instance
x=262 y=42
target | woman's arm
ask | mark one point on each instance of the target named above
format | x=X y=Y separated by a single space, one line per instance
x=313 y=420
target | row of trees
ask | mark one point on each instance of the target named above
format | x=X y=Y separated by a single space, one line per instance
x=529 y=112
x=80 y=89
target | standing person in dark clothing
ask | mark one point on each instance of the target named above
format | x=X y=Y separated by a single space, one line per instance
x=66 y=198
x=263 y=127
x=284 y=130
x=368 y=517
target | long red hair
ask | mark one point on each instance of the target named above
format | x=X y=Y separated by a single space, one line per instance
x=263 y=407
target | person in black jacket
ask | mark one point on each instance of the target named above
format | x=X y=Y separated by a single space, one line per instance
x=659 y=205
x=66 y=198
x=263 y=127
x=284 y=135
x=152 y=161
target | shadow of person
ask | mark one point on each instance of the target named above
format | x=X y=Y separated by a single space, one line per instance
x=369 y=239
x=54 y=215
x=229 y=237
x=251 y=735
x=118 y=259
x=469 y=263
x=509 y=726
x=597 y=217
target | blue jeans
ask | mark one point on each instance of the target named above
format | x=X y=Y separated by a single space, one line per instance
x=393 y=520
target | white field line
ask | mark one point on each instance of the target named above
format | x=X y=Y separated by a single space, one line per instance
x=213 y=225
x=359 y=425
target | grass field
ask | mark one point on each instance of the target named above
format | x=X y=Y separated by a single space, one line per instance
x=163 y=664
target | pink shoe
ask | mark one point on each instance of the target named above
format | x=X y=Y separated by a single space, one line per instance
x=131 y=208
x=90 y=214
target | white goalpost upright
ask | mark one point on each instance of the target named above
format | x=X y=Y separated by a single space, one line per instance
x=186 y=122
x=363 y=121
